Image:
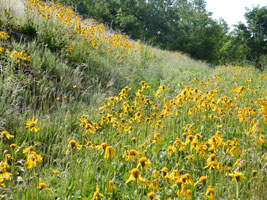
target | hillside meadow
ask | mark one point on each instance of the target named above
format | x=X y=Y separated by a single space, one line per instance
x=87 y=113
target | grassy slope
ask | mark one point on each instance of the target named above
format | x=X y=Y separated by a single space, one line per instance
x=53 y=71
x=60 y=85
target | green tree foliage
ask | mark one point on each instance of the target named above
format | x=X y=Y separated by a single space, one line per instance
x=247 y=44
x=197 y=34
x=257 y=29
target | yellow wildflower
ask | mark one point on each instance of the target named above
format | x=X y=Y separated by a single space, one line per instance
x=239 y=163
x=157 y=138
x=5 y=133
x=32 y=159
x=144 y=162
x=212 y=157
x=28 y=150
x=201 y=179
x=212 y=165
x=131 y=154
x=109 y=152
x=73 y=144
x=2 y=184
x=188 y=194
x=135 y=176
x=210 y=193
x=152 y=196
x=102 y=146
x=237 y=176
x=264 y=107
x=154 y=185
x=164 y=171
x=13 y=145
x=4 y=35
x=171 y=149
x=4 y=174
x=111 y=185
x=43 y=186
x=31 y=124
x=155 y=173
x=97 y=194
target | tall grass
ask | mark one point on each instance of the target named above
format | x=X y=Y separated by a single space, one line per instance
x=68 y=78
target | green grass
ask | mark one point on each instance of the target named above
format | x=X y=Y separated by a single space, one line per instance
x=59 y=86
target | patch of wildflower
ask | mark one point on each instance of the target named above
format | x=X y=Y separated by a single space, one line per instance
x=95 y=36
x=19 y=57
x=128 y=117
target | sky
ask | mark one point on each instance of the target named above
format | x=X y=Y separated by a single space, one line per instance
x=232 y=11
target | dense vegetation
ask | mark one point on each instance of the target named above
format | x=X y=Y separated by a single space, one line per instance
x=90 y=114
x=186 y=26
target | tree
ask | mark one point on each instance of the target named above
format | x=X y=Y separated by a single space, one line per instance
x=257 y=29
x=247 y=44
